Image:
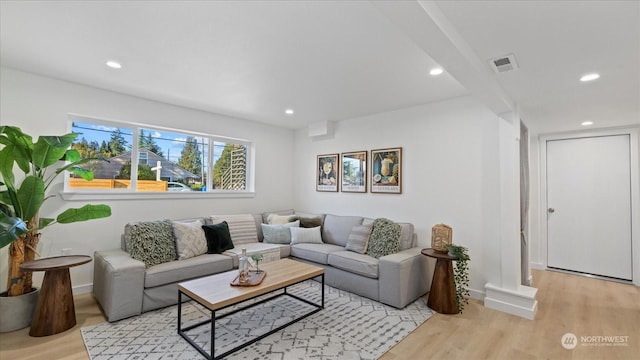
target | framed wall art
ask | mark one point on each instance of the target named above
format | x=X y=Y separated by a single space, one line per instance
x=386 y=171
x=354 y=171
x=327 y=173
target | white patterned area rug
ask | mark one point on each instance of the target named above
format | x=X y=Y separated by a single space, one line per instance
x=349 y=327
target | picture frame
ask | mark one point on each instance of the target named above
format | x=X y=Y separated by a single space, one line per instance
x=386 y=171
x=354 y=171
x=327 y=172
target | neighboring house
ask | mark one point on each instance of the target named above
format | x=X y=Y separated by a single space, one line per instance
x=169 y=172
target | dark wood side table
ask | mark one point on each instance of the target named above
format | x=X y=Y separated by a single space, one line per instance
x=55 y=311
x=442 y=296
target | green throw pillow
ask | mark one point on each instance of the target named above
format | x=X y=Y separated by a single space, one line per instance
x=218 y=237
x=310 y=222
x=151 y=242
x=384 y=239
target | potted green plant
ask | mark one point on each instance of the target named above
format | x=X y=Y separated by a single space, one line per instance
x=257 y=258
x=460 y=273
x=27 y=169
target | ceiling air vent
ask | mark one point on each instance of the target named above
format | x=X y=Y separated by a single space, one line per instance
x=504 y=63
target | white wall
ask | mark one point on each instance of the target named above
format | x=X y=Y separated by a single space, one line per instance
x=450 y=174
x=39 y=105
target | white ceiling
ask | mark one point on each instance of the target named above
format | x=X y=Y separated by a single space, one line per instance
x=332 y=60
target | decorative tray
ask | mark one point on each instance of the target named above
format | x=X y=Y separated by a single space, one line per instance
x=255 y=278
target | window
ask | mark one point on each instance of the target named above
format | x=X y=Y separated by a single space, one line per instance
x=143 y=157
x=168 y=160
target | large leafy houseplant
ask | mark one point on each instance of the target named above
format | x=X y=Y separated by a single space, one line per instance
x=22 y=197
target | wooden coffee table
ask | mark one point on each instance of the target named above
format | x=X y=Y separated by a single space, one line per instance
x=215 y=293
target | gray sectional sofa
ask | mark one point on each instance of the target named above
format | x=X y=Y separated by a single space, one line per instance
x=124 y=287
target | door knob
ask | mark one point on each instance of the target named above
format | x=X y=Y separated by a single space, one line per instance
x=551 y=210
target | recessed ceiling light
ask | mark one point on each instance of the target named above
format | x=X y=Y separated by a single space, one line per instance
x=587 y=123
x=114 y=64
x=589 y=77
x=436 y=71
x=289 y=111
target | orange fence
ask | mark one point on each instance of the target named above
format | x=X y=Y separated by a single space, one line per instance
x=143 y=185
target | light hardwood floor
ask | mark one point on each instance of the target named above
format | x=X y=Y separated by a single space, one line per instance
x=566 y=303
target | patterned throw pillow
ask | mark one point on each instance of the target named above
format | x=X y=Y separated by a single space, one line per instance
x=384 y=239
x=278 y=233
x=358 y=240
x=218 y=238
x=301 y=235
x=190 y=239
x=151 y=242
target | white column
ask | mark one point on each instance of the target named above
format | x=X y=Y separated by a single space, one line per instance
x=506 y=293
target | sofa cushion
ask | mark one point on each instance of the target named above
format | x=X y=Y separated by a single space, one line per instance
x=151 y=242
x=218 y=237
x=194 y=267
x=241 y=227
x=314 y=252
x=359 y=238
x=278 y=233
x=384 y=239
x=301 y=235
x=190 y=239
x=350 y=261
x=336 y=229
x=406 y=236
x=257 y=218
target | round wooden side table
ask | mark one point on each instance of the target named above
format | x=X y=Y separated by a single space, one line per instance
x=442 y=296
x=55 y=311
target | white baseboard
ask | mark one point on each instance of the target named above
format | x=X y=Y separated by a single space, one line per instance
x=521 y=302
x=476 y=294
x=538 y=266
x=82 y=289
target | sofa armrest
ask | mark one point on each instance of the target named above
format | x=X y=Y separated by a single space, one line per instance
x=404 y=276
x=118 y=283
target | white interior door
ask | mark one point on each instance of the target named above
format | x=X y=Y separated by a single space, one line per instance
x=589 y=205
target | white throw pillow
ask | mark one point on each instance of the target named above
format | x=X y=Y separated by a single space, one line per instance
x=306 y=235
x=280 y=219
x=190 y=239
x=278 y=233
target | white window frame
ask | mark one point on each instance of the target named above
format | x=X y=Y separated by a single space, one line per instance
x=69 y=193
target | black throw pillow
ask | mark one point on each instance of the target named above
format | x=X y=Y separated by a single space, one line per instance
x=218 y=237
